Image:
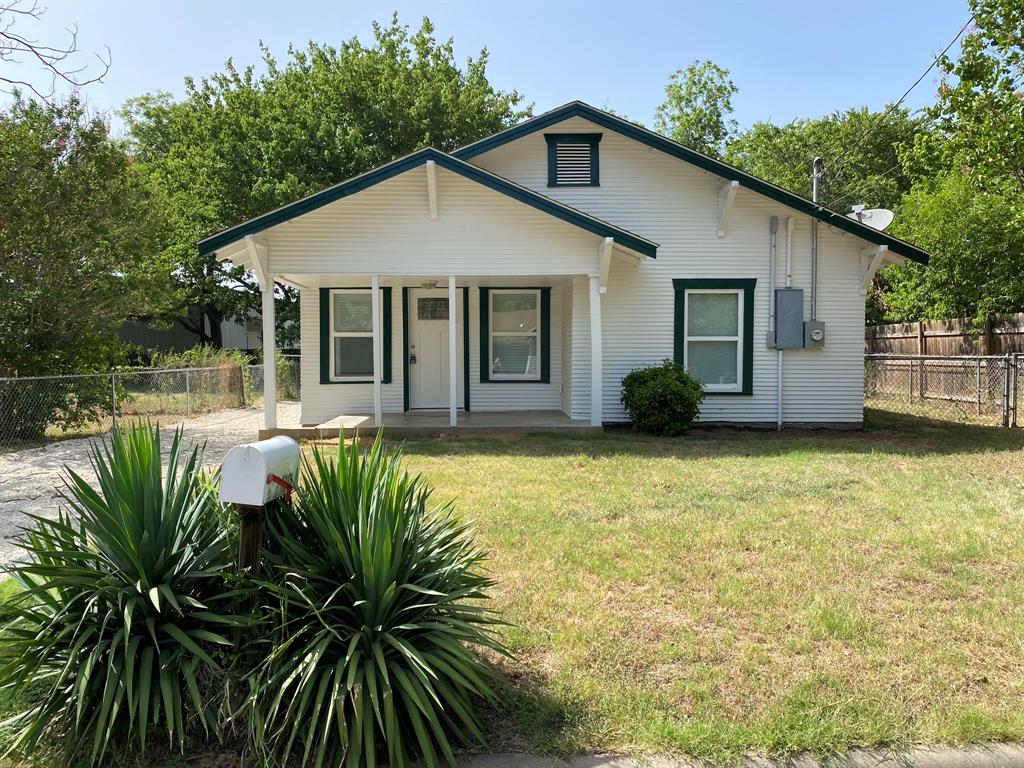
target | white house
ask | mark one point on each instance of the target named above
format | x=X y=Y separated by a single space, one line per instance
x=522 y=276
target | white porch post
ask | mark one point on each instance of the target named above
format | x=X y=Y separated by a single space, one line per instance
x=453 y=363
x=378 y=409
x=595 y=351
x=269 y=356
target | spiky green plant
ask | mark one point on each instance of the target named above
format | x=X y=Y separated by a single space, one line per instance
x=118 y=627
x=374 y=599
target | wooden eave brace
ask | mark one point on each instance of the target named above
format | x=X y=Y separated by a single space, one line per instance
x=258 y=257
x=432 y=188
x=877 y=254
x=726 y=197
x=604 y=262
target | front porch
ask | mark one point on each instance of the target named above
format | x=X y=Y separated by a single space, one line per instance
x=413 y=423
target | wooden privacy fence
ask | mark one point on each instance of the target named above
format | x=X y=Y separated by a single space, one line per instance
x=947 y=338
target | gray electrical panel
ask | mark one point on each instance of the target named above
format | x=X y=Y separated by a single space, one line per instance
x=789 y=318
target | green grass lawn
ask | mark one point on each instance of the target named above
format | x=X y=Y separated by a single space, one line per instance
x=736 y=590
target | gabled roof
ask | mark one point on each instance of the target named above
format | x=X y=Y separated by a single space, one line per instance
x=358 y=183
x=710 y=164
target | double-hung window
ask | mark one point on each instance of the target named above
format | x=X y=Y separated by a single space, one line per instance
x=515 y=335
x=714 y=349
x=351 y=326
x=714 y=326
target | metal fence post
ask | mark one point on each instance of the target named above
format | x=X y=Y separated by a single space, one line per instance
x=113 y=399
x=1006 y=390
x=188 y=394
x=977 y=384
x=1014 y=390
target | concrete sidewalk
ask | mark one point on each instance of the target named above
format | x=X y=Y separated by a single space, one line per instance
x=981 y=756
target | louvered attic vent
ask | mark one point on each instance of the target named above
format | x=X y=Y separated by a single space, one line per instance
x=573 y=159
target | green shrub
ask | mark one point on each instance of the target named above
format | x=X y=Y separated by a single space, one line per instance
x=122 y=610
x=373 y=597
x=662 y=399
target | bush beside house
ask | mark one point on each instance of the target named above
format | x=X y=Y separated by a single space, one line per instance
x=662 y=399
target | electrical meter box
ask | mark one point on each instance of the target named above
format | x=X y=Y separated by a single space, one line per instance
x=814 y=334
x=789 y=318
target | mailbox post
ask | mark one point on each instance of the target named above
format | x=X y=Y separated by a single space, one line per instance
x=253 y=475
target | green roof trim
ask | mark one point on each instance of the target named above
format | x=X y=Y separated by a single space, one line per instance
x=710 y=164
x=401 y=165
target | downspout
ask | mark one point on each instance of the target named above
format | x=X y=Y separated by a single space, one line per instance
x=789 y=283
x=773 y=228
x=815 y=194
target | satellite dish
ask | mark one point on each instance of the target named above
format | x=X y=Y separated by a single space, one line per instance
x=877 y=218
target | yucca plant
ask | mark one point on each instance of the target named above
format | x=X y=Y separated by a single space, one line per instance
x=373 y=597
x=123 y=607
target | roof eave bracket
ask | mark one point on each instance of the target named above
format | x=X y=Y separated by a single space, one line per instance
x=726 y=198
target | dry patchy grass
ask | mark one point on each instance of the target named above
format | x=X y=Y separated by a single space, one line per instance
x=737 y=590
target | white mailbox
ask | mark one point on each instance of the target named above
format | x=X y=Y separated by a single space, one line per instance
x=250 y=472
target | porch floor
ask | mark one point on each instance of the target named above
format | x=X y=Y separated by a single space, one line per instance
x=436 y=422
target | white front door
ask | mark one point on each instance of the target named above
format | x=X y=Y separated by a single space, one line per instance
x=428 y=348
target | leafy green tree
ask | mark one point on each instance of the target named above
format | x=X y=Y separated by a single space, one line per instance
x=860 y=149
x=980 y=111
x=242 y=143
x=698 y=102
x=79 y=230
x=967 y=204
x=976 y=238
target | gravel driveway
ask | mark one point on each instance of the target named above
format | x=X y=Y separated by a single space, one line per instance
x=30 y=479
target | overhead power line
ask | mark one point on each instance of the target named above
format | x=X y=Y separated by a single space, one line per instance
x=885 y=116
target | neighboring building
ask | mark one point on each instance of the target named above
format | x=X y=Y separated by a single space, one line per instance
x=235 y=335
x=573 y=248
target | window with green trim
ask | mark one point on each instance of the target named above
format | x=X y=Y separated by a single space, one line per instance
x=713 y=348
x=351 y=327
x=714 y=322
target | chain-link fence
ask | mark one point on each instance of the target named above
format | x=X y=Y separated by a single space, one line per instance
x=970 y=389
x=38 y=408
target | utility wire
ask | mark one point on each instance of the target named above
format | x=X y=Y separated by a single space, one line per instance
x=878 y=121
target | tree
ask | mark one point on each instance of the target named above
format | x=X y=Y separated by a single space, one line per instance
x=80 y=228
x=242 y=143
x=56 y=61
x=980 y=111
x=976 y=238
x=859 y=147
x=698 y=102
x=967 y=204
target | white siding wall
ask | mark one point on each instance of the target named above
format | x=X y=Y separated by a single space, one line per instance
x=387 y=229
x=676 y=205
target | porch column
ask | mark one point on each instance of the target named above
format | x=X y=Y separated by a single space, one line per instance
x=453 y=355
x=596 y=365
x=378 y=410
x=269 y=356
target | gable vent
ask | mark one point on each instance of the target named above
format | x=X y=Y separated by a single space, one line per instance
x=572 y=159
x=572 y=163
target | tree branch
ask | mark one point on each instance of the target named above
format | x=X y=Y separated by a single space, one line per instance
x=53 y=60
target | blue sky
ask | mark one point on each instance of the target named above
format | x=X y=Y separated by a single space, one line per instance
x=792 y=59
